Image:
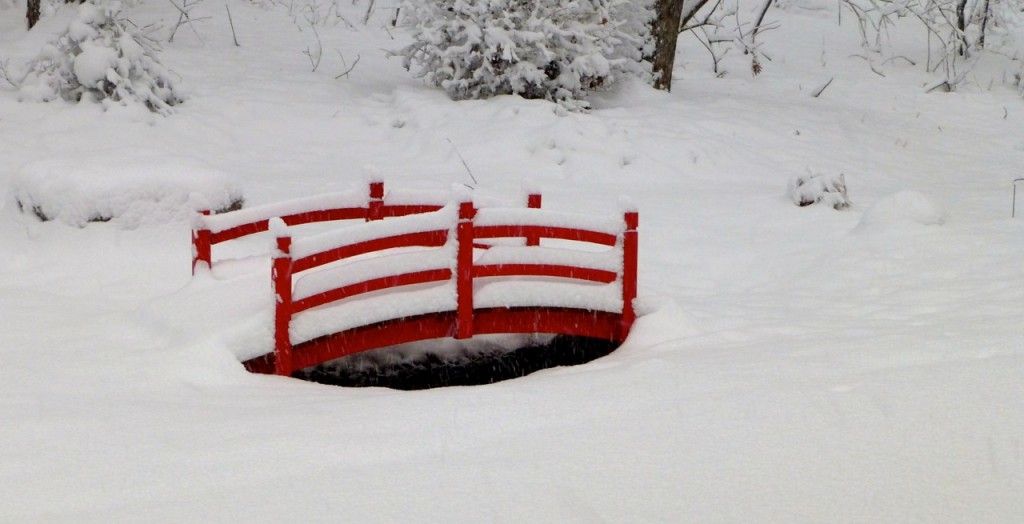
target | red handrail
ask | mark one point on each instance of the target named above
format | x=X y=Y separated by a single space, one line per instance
x=375 y=208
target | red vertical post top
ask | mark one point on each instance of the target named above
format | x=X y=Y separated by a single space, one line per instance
x=201 y=245
x=533 y=202
x=629 y=272
x=464 y=271
x=375 y=206
x=282 y=277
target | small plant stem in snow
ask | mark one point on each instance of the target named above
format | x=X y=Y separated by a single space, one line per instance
x=184 y=9
x=822 y=89
x=232 y=22
x=349 y=70
x=463 y=160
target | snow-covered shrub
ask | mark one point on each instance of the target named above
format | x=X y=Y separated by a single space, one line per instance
x=538 y=49
x=100 y=58
x=130 y=187
x=805 y=190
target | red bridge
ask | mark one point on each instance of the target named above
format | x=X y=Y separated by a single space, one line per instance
x=432 y=271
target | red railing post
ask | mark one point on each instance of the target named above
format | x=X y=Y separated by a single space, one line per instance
x=533 y=202
x=630 y=244
x=201 y=244
x=375 y=206
x=464 y=271
x=282 y=281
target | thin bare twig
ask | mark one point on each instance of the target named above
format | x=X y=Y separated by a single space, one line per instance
x=5 y=73
x=184 y=17
x=315 y=60
x=463 y=160
x=232 y=22
x=349 y=70
x=820 y=90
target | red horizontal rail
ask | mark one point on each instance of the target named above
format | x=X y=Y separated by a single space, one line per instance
x=562 y=321
x=367 y=286
x=596 y=324
x=435 y=238
x=309 y=217
x=324 y=215
x=382 y=334
x=375 y=209
x=533 y=231
x=401 y=210
x=545 y=270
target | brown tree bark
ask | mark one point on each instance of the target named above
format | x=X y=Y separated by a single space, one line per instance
x=32 y=13
x=666 y=32
x=670 y=17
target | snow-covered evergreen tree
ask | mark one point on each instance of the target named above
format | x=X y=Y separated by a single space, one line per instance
x=100 y=58
x=549 y=49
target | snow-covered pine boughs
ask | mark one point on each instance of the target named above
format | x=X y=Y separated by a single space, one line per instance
x=538 y=49
x=830 y=190
x=99 y=58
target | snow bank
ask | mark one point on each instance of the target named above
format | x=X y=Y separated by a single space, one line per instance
x=128 y=187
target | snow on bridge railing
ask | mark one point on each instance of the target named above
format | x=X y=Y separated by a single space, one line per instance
x=209 y=230
x=438 y=248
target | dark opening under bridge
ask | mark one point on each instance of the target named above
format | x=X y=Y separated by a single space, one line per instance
x=432 y=270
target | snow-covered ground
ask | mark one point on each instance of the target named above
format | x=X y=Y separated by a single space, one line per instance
x=790 y=364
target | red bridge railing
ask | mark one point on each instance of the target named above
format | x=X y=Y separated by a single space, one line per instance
x=210 y=230
x=512 y=288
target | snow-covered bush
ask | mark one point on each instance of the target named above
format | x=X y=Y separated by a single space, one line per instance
x=830 y=190
x=538 y=49
x=130 y=187
x=100 y=58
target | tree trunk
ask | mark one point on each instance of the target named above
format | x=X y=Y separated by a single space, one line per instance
x=671 y=16
x=984 y=22
x=32 y=13
x=666 y=32
x=961 y=27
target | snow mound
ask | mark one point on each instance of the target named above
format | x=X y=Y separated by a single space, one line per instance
x=129 y=188
x=904 y=208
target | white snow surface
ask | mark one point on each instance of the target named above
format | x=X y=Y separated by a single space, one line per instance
x=788 y=364
x=904 y=208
